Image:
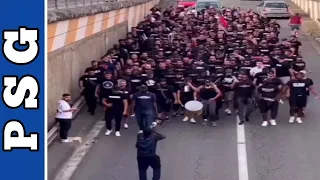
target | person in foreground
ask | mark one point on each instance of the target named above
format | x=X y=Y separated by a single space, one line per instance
x=146 y=153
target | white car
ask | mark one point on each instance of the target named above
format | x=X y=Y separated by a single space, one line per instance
x=274 y=9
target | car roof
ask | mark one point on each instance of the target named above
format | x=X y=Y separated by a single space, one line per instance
x=275 y=2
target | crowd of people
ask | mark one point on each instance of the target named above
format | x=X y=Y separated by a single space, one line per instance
x=231 y=60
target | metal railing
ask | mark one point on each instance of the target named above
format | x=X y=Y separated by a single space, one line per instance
x=64 y=4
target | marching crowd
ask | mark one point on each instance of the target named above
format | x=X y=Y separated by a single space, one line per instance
x=230 y=60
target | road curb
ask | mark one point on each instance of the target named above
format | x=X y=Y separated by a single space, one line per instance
x=53 y=133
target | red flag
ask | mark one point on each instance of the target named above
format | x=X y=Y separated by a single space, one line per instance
x=223 y=22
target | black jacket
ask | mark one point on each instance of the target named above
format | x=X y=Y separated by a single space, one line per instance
x=146 y=146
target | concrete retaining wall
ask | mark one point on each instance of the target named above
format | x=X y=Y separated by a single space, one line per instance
x=74 y=43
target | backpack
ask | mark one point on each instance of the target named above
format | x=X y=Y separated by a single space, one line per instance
x=145 y=146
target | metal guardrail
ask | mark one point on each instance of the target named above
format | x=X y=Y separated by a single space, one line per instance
x=65 y=4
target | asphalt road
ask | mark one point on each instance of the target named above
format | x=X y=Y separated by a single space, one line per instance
x=198 y=152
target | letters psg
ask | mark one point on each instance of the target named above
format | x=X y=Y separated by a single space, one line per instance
x=20 y=92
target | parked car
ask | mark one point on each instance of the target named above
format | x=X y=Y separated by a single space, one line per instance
x=203 y=4
x=187 y=3
x=274 y=9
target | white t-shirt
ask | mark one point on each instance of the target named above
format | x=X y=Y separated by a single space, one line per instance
x=255 y=70
x=63 y=106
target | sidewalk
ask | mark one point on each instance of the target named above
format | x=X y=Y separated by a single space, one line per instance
x=59 y=153
x=309 y=25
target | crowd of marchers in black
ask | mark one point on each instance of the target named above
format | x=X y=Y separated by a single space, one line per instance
x=231 y=60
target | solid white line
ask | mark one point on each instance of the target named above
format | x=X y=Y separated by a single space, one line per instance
x=72 y=164
x=242 y=152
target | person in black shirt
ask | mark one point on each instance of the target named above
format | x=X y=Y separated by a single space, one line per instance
x=165 y=95
x=269 y=101
x=185 y=93
x=126 y=95
x=283 y=70
x=105 y=86
x=150 y=81
x=208 y=94
x=146 y=153
x=178 y=83
x=260 y=77
x=309 y=81
x=295 y=43
x=135 y=81
x=88 y=85
x=116 y=105
x=228 y=92
x=94 y=67
x=145 y=107
x=298 y=93
x=298 y=65
x=244 y=102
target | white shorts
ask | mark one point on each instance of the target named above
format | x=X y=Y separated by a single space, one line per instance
x=285 y=80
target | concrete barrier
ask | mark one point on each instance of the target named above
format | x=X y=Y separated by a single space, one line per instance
x=78 y=36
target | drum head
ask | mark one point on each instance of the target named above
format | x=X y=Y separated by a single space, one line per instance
x=193 y=106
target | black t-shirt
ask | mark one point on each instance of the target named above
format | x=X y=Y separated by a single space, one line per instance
x=125 y=93
x=282 y=68
x=264 y=50
x=244 y=88
x=146 y=147
x=89 y=82
x=299 y=87
x=135 y=82
x=260 y=77
x=151 y=83
x=296 y=45
x=269 y=90
x=186 y=92
x=106 y=86
x=298 y=65
x=276 y=81
x=167 y=90
x=116 y=99
x=170 y=76
x=207 y=93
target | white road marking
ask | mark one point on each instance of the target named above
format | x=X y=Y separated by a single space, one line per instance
x=71 y=165
x=242 y=152
x=76 y=139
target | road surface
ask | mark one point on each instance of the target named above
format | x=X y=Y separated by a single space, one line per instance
x=198 y=152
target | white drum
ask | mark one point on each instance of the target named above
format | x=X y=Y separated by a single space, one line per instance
x=193 y=106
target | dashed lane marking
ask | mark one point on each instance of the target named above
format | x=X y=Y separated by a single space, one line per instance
x=242 y=152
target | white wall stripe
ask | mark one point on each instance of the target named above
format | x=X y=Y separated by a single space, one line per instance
x=137 y=19
x=122 y=15
x=130 y=17
x=60 y=35
x=111 y=18
x=81 y=32
x=62 y=28
x=98 y=23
